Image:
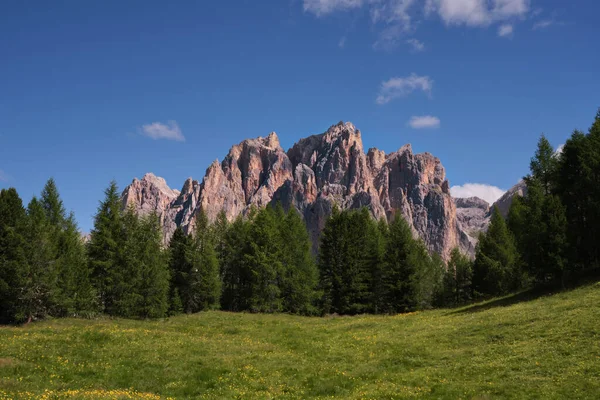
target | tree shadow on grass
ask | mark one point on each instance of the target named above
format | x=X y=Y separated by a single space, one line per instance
x=586 y=278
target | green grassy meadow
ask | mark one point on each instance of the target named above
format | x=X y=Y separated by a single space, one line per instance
x=544 y=348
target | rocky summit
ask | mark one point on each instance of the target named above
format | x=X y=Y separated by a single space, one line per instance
x=318 y=172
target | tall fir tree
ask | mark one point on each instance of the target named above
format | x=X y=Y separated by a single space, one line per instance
x=204 y=279
x=106 y=246
x=544 y=166
x=180 y=248
x=154 y=277
x=579 y=191
x=401 y=268
x=263 y=263
x=298 y=278
x=235 y=276
x=13 y=263
x=39 y=294
x=496 y=268
x=458 y=278
x=75 y=295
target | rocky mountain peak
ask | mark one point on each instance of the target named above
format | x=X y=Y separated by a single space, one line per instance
x=315 y=174
x=472 y=202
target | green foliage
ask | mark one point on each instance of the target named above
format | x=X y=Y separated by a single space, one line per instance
x=543 y=166
x=458 y=279
x=39 y=291
x=298 y=276
x=579 y=191
x=141 y=283
x=263 y=263
x=75 y=295
x=12 y=253
x=496 y=270
x=234 y=275
x=350 y=247
x=106 y=247
x=204 y=279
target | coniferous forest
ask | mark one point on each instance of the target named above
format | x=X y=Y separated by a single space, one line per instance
x=263 y=261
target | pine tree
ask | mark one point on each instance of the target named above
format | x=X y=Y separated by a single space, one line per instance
x=154 y=277
x=544 y=165
x=579 y=191
x=400 y=268
x=263 y=263
x=377 y=264
x=428 y=277
x=235 y=276
x=495 y=270
x=13 y=264
x=38 y=295
x=298 y=278
x=204 y=280
x=332 y=262
x=105 y=247
x=458 y=278
x=180 y=248
x=75 y=295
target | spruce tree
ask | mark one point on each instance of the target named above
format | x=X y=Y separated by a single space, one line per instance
x=106 y=246
x=263 y=263
x=458 y=278
x=400 y=268
x=332 y=262
x=154 y=277
x=39 y=292
x=544 y=165
x=235 y=276
x=377 y=265
x=298 y=278
x=13 y=263
x=75 y=295
x=579 y=191
x=495 y=270
x=180 y=248
x=204 y=280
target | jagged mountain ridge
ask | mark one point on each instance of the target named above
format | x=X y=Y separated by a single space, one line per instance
x=313 y=175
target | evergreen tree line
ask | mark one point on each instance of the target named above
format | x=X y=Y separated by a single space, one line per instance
x=262 y=262
x=552 y=234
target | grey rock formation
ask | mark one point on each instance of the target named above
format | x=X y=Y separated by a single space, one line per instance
x=318 y=172
x=473 y=216
x=504 y=202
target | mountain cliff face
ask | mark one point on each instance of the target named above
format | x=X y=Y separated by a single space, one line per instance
x=318 y=172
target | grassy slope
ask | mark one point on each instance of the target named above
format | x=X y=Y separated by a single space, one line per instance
x=545 y=348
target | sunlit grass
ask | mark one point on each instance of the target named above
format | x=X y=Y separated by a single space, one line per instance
x=545 y=348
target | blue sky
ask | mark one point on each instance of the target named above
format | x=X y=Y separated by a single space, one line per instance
x=94 y=91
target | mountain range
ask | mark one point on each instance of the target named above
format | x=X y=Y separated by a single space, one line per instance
x=315 y=174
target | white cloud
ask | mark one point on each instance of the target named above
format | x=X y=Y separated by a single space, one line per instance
x=416 y=45
x=476 y=12
x=488 y=193
x=425 y=121
x=342 y=42
x=323 y=7
x=399 y=87
x=505 y=30
x=510 y=8
x=543 y=24
x=158 y=130
x=3 y=176
x=395 y=19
